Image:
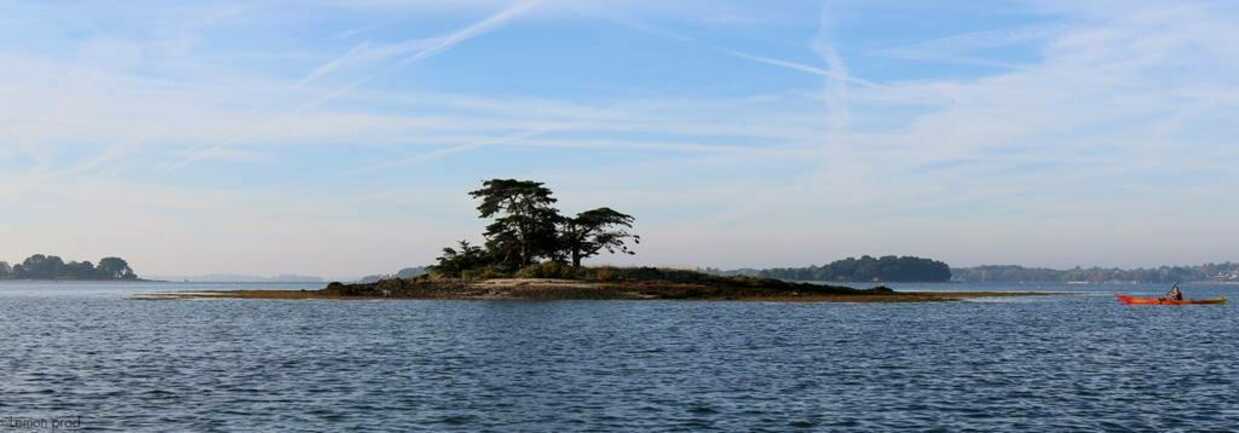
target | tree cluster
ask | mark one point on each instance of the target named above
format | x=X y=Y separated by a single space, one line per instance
x=867 y=268
x=527 y=229
x=44 y=267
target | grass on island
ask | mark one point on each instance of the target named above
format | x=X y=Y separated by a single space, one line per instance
x=550 y=281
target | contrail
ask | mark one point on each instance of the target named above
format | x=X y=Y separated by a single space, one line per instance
x=828 y=73
x=435 y=46
x=475 y=30
x=329 y=67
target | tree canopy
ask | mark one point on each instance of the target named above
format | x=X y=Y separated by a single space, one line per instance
x=593 y=231
x=524 y=226
x=47 y=267
x=527 y=229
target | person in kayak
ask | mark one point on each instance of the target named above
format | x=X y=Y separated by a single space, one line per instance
x=1175 y=294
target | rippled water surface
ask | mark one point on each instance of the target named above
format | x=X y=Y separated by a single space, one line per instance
x=1062 y=363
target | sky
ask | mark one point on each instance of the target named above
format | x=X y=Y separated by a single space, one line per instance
x=339 y=138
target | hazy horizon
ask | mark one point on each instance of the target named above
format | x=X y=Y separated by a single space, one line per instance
x=330 y=276
x=339 y=138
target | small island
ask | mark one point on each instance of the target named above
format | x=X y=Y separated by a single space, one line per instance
x=603 y=283
x=533 y=252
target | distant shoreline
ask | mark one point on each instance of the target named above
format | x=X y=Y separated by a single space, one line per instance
x=79 y=280
x=39 y=280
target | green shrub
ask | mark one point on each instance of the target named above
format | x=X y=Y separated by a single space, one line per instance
x=548 y=270
x=335 y=288
x=483 y=273
x=392 y=285
x=604 y=274
x=612 y=274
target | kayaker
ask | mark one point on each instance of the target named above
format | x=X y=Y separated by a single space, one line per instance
x=1175 y=294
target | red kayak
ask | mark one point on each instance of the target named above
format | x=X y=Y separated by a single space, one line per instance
x=1153 y=300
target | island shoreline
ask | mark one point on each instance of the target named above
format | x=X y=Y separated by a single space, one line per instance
x=544 y=289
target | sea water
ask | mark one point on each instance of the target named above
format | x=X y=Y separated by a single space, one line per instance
x=1074 y=362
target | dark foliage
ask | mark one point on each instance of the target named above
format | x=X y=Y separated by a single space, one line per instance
x=45 y=267
x=593 y=231
x=455 y=261
x=867 y=268
x=524 y=221
x=526 y=230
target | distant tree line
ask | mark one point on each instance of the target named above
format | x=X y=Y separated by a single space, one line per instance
x=1163 y=274
x=866 y=268
x=526 y=230
x=44 y=267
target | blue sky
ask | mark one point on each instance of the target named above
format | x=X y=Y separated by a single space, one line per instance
x=338 y=138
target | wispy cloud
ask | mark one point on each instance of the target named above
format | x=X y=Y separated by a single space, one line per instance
x=451 y=150
x=781 y=63
x=963 y=48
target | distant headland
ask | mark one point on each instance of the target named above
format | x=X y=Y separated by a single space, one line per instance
x=892 y=269
x=49 y=267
